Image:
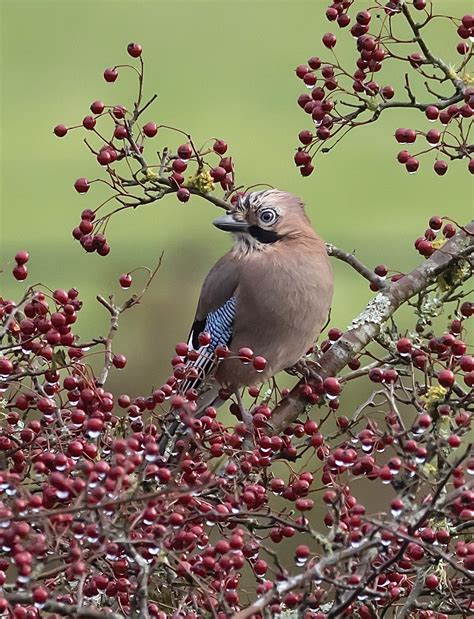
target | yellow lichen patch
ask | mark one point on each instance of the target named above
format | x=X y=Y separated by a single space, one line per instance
x=438 y=243
x=434 y=396
x=202 y=181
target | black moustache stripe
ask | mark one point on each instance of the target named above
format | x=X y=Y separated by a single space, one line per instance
x=264 y=236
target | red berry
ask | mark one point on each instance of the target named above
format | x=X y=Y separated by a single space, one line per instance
x=412 y=165
x=120 y=132
x=440 y=167
x=183 y=194
x=302 y=158
x=134 y=50
x=111 y=74
x=404 y=346
x=219 y=147
x=363 y=17
x=329 y=40
x=433 y=136
x=119 y=361
x=60 y=130
x=314 y=62
x=388 y=92
x=259 y=363
x=435 y=222
x=20 y=272
x=466 y=363
x=431 y=112
x=462 y=48
x=119 y=111
x=246 y=354
x=305 y=137
x=332 y=386
x=301 y=70
x=21 y=257
x=376 y=375
x=82 y=185
x=89 y=122
x=204 y=339
x=150 y=130
x=185 y=151
x=431 y=581
x=97 y=107
x=306 y=170
x=403 y=156
x=104 y=157
x=125 y=280
x=446 y=378
x=218 y=174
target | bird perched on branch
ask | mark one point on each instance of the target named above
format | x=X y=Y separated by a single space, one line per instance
x=271 y=293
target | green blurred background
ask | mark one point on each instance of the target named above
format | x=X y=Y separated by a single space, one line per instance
x=221 y=69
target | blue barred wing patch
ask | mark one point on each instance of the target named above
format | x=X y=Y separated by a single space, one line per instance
x=219 y=324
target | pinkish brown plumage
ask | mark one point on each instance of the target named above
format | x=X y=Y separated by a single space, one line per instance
x=279 y=282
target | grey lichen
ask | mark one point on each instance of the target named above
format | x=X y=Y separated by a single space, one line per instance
x=375 y=312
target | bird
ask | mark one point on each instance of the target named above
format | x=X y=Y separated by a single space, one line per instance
x=271 y=292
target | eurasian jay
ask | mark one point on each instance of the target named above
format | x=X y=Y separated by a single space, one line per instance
x=271 y=292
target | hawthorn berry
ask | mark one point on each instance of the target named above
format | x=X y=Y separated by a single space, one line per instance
x=110 y=74
x=219 y=147
x=150 y=129
x=183 y=194
x=125 y=280
x=82 y=185
x=22 y=257
x=446 y=378
x=329 y=40
x=185 y=151
x=89 y=122
x=134 y=50
x=97 y=107
x=440 y=167
x=60 y=131
x=412 y=165
x=20 y=272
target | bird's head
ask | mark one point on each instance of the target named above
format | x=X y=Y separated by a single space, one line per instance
x=262 y=218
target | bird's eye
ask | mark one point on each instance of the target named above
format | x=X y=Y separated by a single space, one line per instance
x=268 y=216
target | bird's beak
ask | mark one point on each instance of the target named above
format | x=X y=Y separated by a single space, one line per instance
x=229 y=224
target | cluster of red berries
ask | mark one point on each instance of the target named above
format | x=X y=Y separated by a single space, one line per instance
x=90 y=240
x=430 y=242
x=127 y=141
x=20 y=270
x=89 y=449
x=325 y=81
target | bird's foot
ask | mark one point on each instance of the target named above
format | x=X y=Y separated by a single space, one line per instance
x=307 y=368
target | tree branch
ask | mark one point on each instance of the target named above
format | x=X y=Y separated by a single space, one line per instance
x=368 y=324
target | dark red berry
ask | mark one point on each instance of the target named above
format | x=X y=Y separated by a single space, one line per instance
x=185 y=151
x=150 y=130
x=219 y=147
x=60 y=130
x=440 y=167
x=134 y=50
x=183 y=194
x=125 y=280
x=111 y=74
x=329 y=40
x=97 y=107
x=89 y=122
x=82 y=185
x=20 y=272
x=22 y=257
